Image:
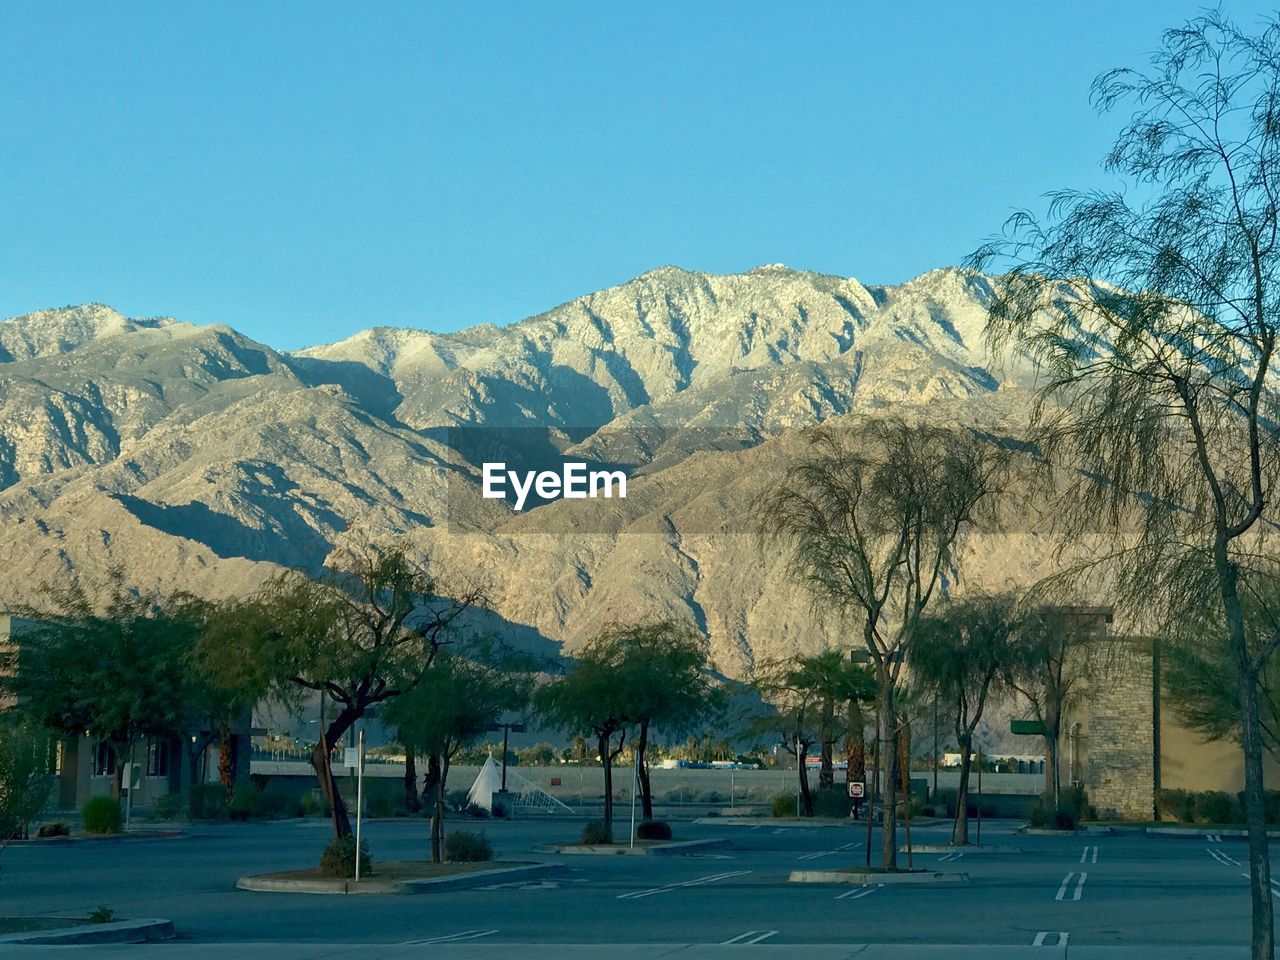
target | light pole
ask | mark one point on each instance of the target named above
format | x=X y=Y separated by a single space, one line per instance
x=506 y=729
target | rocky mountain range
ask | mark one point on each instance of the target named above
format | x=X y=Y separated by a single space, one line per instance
x=197 y=458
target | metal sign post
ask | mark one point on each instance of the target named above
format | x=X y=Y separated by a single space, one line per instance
x=979 y=796
x=359 y=798
x=128 y=782
x=799 y=760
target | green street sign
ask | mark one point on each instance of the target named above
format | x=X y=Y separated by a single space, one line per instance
x=1027 y=727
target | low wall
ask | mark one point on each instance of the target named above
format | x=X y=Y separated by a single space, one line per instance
x=682 y=785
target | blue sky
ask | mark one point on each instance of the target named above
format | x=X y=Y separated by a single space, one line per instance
x=303 y=171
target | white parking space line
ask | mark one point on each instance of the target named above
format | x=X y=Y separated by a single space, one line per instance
x=1066 y=882
x=1274 y=891
x=947 y=858
x=859 y=894
x=751 y=936
x=1213 y=837
x=453 y=937
x=1090 y=855
x=826 y=853
x=1043 y=935
x=700 y=881
x=1221 y=857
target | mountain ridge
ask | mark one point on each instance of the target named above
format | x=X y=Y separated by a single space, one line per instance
x=202 y=459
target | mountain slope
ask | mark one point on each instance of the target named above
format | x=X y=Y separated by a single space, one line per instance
x=200 y=459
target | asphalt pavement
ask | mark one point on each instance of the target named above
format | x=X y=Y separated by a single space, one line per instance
x=1094 y=895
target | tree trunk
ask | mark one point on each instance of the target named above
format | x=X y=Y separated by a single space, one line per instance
x=1263 y=932
x=437 y=825
x=642 y=771
x=224 y=758
x=430 y=779
x=826 y=772
x=193 y=774
x=889 y=800
x=606 y=761
x=960 y=826
x=441 y=762
x=802 y=771
x=1052 y=743
x=329 y=788
x=904 y=766
x=411 y=802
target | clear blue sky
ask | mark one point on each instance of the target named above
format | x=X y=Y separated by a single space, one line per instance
x=303 y=171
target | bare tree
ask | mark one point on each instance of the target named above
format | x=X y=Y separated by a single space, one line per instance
x=870 y=516
x=964 y=658
x=1159 y=379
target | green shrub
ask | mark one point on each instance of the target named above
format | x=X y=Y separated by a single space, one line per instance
x=382 y=798
x=167 y=806
x=1213 y=807
x=596 y=833
x=498 y=810
x=654 y=830
x=246 y=803
x=1038 y=816
x=312 y=806
x=57 y=829
x=380 y=804
x=339 y=858
x=101 y=815
x=278 y=803
x=830 y=802
x=102 y=915
x=208 y=801
x=783 y=805
x=1064 y=819
x=711 y=796
x=1179 y=805
x=462 y=846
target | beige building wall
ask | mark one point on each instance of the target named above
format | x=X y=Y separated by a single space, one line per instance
x=1188 y=762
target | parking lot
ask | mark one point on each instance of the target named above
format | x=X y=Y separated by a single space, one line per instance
x=1089 y=889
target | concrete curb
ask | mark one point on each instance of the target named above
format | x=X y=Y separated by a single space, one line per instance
x=461 y=881
x=872 y=879
x=1200 y=832
x=623 y=850
x=1042 y=832
x=118 y=931
x=779 y=822
x=968 y=848
x=108 y=837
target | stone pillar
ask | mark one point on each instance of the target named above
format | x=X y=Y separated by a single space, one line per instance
x=1120 y=775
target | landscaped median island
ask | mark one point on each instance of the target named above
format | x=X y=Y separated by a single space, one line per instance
x=922 y=848
x=625 y=848
x=864 y=876
x=651 y=837
x=101 y=926
x=395 y=877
